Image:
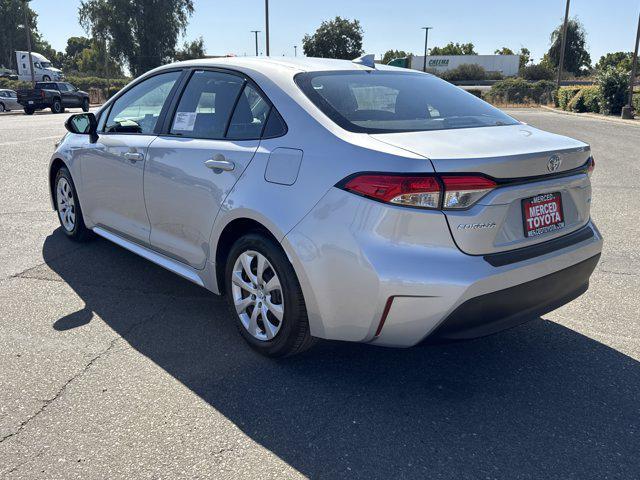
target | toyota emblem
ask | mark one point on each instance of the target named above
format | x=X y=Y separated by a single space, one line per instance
x=554 y=163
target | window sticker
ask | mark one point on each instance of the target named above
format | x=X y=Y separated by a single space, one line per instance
x=185 y=121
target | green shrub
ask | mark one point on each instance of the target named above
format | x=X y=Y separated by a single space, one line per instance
x=466 y=71
x=519 y=90
x=536 y=72
x=565 y=95
x=591 y=98
x=614 y=88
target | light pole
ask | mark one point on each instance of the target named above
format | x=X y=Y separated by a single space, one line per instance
x=426 y=39
x=563 y=43
x=627 y=112
x=27 y=28
x=256 y=32
x=295 y=50
x=266 y=18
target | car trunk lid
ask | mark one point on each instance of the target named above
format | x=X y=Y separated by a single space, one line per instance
x=537 y=172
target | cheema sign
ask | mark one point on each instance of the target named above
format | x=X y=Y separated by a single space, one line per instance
x=440 y=62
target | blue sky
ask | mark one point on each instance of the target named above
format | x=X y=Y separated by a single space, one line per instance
x=225 y=25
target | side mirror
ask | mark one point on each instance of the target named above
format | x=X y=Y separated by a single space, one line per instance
x=82 y=123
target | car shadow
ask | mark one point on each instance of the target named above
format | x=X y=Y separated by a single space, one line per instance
x=538 y=401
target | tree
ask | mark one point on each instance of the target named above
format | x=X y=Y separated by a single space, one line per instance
x=504 y=51
x=337 y=38
x=576 y=57
x=525 y=56
x=191 y=50
x=391 y=54
x=454 y=49
x=619 y=60
x=13 y=35
x=143 y=33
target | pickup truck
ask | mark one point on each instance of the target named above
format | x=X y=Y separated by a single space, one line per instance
x=54 y=95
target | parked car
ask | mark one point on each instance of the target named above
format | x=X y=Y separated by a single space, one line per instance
x=8 y=100
x=334 y=199
x=54 y=95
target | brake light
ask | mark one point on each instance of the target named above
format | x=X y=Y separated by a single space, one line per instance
x=424 y=191
x=412 y=190
x=592 y=166
x=464 y=191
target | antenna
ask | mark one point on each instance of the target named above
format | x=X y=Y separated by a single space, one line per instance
x=366 y=60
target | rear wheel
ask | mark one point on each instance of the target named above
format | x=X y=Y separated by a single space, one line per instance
x=28 y=111
x=85 y=105
x=265 y=297
x=68 y=207
x=57 y=106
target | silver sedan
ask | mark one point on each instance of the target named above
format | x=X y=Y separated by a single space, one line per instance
x=334 y=199
x=9 y=101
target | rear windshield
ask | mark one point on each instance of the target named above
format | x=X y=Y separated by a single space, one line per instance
x=387 y=102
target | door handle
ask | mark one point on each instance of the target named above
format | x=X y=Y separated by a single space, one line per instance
x=134 y=156
x=219 y=164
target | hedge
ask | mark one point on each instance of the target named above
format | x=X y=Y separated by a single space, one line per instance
x=519 y=90
x=83 y=83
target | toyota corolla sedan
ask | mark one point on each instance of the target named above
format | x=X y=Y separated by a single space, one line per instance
x=334 y=199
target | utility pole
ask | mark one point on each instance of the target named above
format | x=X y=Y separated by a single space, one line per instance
x=426 y=39
x=627 y=112
x=563 y=44
x=256 y=32
x=266 y=18
x=27 y=28
x=295 y=50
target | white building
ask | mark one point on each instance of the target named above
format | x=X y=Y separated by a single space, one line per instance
x=507 y=65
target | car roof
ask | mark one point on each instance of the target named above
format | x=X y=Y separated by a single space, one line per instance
x=291 y=65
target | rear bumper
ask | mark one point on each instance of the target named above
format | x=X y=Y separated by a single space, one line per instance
x=493 y=312
x=353 y=255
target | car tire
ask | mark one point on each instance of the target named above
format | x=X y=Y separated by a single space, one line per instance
x=85 y=105
x=2 y=107
x=57 y=106
x=28 y=111
x=68 y=207
x=46 y=78
x=292 y=334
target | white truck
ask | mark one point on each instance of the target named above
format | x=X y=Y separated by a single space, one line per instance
x=42 y=68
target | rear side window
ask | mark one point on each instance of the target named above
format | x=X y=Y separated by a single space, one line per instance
x=138 y=109
x=249 y=116
x=206 y=105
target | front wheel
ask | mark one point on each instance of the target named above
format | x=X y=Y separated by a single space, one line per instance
x=28 y=111
x=68 y=207
x=2 y=108
x=57 y=106
x=85 y=105
x=46 y=78
x=265 y=297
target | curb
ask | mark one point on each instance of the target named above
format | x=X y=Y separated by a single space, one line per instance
x=45 y=111
x=593 y=115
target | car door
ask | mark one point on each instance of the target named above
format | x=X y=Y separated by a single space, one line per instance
x=65 y=95
x=209 y=141
x=113 y=166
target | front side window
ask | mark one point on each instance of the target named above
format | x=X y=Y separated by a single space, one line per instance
x=206 y=105
x=387 y=102
x=138 y=109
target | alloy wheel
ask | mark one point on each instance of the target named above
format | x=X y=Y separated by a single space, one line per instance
x=66 y=204
x=257 y=295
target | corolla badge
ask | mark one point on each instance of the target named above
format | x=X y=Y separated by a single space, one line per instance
x=554 y=163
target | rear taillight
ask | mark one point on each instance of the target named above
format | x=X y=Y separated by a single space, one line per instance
x=412 y=190
x=464 y=191
x=424 y=191
x=592 y=166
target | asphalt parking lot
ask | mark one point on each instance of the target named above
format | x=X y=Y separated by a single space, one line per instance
x=111 y=367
